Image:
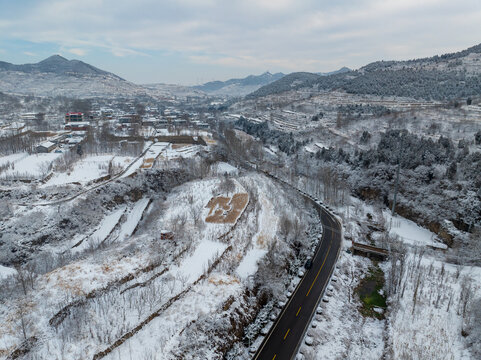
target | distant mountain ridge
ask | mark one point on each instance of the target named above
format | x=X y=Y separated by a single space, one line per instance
x=239 y=86
x=58 y=65
x=342 y=70
x=57 y=75
x=445 y=77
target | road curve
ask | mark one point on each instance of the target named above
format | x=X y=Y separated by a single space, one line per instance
x=286 y=335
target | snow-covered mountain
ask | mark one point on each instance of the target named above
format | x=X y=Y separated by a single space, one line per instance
x=58 y=65
x=444 y=77
x=59 y=76
x=239 y=87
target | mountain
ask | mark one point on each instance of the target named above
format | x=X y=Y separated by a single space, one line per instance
x=340 y=71
x=289 y=82
x=446 y=77
x=57 y=75
x=58 y=65
x=239 y=87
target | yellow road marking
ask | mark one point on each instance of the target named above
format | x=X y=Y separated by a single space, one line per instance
x=298 y=311
x=286 y=333
x=319 y=270
x=274 y=357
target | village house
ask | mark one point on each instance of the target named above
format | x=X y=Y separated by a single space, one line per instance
x=45 y=147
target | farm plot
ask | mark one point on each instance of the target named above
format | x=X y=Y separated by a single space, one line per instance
x=225 y=210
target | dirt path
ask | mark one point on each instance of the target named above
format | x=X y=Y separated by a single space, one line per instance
x=72 y=197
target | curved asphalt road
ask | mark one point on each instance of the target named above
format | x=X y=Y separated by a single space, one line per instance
x=287 y=333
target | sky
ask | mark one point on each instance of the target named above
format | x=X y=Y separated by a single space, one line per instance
x=194 y=41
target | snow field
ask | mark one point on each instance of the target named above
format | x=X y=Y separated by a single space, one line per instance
x=35 y=166
x=133 y=218
x=411 y=233
x=85 y=170
x=103 y=231
x=195 y=265
x=4 y=160
x=268 y=222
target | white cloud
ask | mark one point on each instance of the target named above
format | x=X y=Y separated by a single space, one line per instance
x=121 y=52
x=29 y=53
x=272 y=5
x=77 y=51
x=277 y=34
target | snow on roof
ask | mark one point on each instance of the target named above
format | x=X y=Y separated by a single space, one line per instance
x=76 y=124
x=47 y=144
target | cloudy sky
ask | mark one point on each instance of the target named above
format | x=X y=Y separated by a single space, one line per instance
x=194 y=41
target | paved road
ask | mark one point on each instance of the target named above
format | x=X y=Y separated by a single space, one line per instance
x=288 y=332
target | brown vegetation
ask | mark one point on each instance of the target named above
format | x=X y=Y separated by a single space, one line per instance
x=225 y=210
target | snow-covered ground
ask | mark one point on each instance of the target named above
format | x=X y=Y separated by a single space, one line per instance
x=158 y=153
x=195 y=265
x=410 y=232
x=268 y=220
x=432 y=309
x=248 y=265
x=189 y=132
x=35 y=166
x=4 y=160
x=87 y=169
x=225 y=168
x=102 y=232
x=424 y=319
x=133 y=219
x=406 y=230
x=6 y=272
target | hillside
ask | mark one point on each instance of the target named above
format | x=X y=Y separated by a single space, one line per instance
x=239 y=87
x=59 y=76
x=445 y=77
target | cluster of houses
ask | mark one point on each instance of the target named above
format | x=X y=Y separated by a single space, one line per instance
x=170 y=117
x=77 y=124
x=75 y=130
x=63 y=139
